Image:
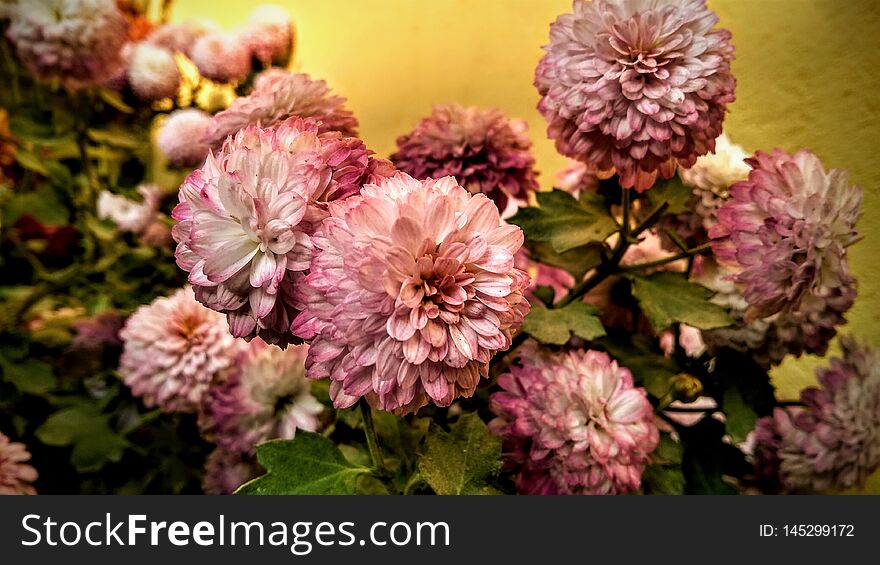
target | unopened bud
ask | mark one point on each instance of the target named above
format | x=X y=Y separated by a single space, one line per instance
x=686 y=388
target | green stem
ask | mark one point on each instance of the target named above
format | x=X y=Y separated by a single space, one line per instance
x=670 y=259
x=372 y=438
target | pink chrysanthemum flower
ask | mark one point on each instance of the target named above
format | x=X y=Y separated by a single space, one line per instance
x=77 y=42
x=225 y=471
x=180 y=137
x=277 y=96
x=221 y=57
x=269 y=34
x=574 y=423
x=153 y=72
x=636 y=85
x=174 y=349
x=412 y=289
x=784 y=233
x=711 y=178
x=577 y=178
x=180 y=37
x=834 y=440
x=16 y=475
x=247 y=215
x=266 y=396
x=482 y=148
x=100 y=330
x=130 y=215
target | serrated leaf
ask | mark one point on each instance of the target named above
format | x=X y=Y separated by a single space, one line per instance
x=29 y=376
x=94 y=442
x=576 y=261
x=666 y=298
x=674 y=192
x=565 y=222
x=464 y=461
x=649 y=369
x=307 y=464
x=554 y=326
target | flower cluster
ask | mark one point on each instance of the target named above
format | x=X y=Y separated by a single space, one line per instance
x=784 y=234
x=225 y=471
x=833 y=441
x=411 y=291
x=277 y=96
x=265 y=396
x=175 y=348
x=247 y=215
x=637 y=86
x=76 y=42
x=16 y=475
x=483 y=149
x=573 y=423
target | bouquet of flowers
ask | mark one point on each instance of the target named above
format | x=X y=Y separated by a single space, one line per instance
x=211 y=284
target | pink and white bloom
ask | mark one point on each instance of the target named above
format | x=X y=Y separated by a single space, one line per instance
x=246 y=217
x=833 y=441
x=265 y=396
x=482 y=148
x=412 y=290
x=77 y=42
x=638 y=86
x=181 y=134
x=277 y=96
x=711 y=178
x=130 y=215
x=174 y=348
x=152 y=72
x=269 y=34
x=221 y=57
x=16 y=476
x=573 y=423
x=181 y=37
x=784 y=234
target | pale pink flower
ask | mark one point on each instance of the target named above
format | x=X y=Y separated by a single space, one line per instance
x=247 y=215
x=174 y=349
x=180 y=37
x=180 y=137
x=833 y=441
x=638 y=86
x=221 y=57
x=711 y=178
x=482 y=148
x=277 y=96
x=578 y=178
x=269 y=34
x=573 y=423
x=16 y=475
x=153 y=72
x=77 y=42
x=265 y=396
x=130 y=215
x=411 y=291
x=100 y=330
x=225 y=471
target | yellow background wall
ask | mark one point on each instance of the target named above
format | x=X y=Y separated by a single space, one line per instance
x=806 y=71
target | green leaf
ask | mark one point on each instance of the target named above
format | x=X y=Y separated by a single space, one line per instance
x=673 y=191
x=29 y=376
x=740 y=417
x=576 y=261
x=115 y=100
x=555 y=325
x=663 y=479
x=564 y=222
x=307 y=464
x=667 y=297
x=94 y=442
x=464 y=461
x=117 y=137
x=43 y=205
x=650 y=370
